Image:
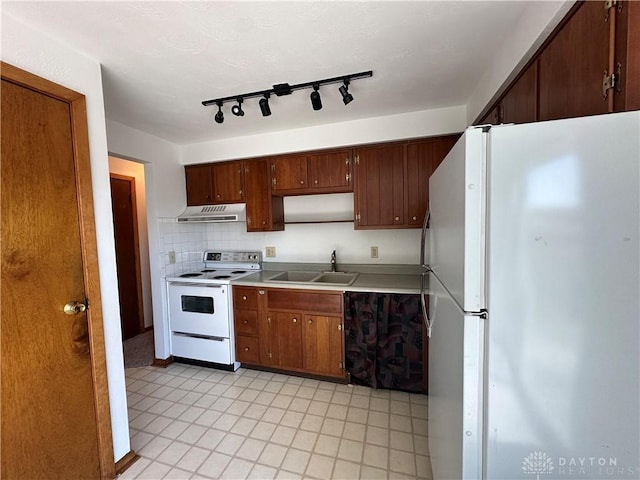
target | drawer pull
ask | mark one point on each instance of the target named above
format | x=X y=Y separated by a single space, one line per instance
x=245 y=321
x=244 y=297
x=310 y=321
x=246 y=349
x=295 y=320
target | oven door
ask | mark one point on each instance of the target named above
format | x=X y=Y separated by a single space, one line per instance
x=199 y=309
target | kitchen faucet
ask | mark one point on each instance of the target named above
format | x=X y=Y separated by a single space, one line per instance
x=333 y=261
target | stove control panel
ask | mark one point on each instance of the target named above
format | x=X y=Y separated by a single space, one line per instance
x=233 y=257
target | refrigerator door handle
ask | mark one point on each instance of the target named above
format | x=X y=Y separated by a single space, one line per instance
x=423 y=294
x=423 y=239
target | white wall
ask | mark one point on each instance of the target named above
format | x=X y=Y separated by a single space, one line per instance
x=533 y=27
x=37 y=53
x=136 y=171
x=425 y=123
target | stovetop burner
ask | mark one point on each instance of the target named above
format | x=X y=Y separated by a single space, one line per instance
x=207 y=270
x=238 y=272
x=190 y=275
x=221 y=268
x=221 y=277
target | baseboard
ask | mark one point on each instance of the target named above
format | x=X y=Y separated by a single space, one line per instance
x=162 y=362
x=146 y=329
x=125 y=462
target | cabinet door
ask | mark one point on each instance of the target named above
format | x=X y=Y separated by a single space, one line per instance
x=247 y=349
x=520 y=103
x=330 y=171
x=227 y=182
x=492 y=117
x=289 y=173
x=379 y=186
x=199 y=184
x=627 y=55
x=571 y=67
x=285 y=339
x=264 y=211
x=422 y=160
x=323 y=345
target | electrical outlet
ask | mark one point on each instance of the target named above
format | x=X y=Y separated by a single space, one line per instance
x=374 y=252
x=172 y=257
x=270 y=251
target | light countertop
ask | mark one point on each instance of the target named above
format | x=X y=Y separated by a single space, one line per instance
x=381 y=279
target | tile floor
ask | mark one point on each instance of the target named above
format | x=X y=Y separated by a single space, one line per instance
x=190 y=422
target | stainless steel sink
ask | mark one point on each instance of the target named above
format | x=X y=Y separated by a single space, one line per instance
x=293 y=276
x=325 y=278
x=339 y=278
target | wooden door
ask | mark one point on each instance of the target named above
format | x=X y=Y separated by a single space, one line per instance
x=627 y=55
x=264 y=211
x=323 y=344
x=422 y=159
x=55 y=410
x=285 y=336
x=289 y=172
x=227 y=182
x=331 y=171
x=379 y=186
x=199 y=184
x=125 y=227
x=520 y=103
x=571 y=67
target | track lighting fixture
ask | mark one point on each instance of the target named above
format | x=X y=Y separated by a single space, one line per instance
x=316 y=101
x=344 y=91
x=264 y=105
x=282 y=89
x=219 y=118
x=237 y=109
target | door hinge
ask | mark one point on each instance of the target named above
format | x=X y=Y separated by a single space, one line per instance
x=340 y=366
x=608 y=5
x=347 y=161
x=357 y=160
x=268 y=319
x=358 y=217
x=273 y=167
x=273 y=182
x=347 y=177
x=340 y=326
x=612 y=81
x=270 y=355
x=248 y=220
x=241 y=192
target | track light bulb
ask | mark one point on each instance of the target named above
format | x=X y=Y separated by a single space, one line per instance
x=219 y=117
x=344 y=91
x=316 y=101
x=264 y=106
x=237 y=109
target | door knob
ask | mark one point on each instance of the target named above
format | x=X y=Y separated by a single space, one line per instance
x=73 y=308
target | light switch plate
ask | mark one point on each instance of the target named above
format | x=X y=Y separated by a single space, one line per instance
x=172 y=257
x=374 y=252
x=270 y=251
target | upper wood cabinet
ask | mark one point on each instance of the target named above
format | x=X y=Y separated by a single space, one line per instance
x=214 y=183
x=265 y=211
x=589 y=65
x=571 y=66
x=318 y=172
x=379 y=186
x=423 y=157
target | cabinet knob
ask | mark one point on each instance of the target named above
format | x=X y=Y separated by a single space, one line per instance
x=261 y=292
x=414 y=218
x=310 y=321
x=219 y=196
x=245 y=322
x=246 y=349
x=295 y=320
x=397 y=219
x=264 y=222
x=315 y=181
x=301 y=182
x=244 y=297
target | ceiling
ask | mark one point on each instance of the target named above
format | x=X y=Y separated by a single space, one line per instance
x=160 y=60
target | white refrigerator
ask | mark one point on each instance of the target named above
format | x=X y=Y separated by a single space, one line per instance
x=533 y=292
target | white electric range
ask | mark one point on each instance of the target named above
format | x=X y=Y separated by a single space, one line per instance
x=201 y=308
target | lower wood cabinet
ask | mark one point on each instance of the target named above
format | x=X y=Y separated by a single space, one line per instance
x=288 y=329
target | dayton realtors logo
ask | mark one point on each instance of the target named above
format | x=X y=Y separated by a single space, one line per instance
x=537 y=463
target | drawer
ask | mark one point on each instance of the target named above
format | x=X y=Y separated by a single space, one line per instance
x=306 y=300
x=206 y=349
x=245 y=297
x=246 y=321
x=247 y=349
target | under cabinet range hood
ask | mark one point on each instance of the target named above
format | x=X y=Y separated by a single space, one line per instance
x=232 y=212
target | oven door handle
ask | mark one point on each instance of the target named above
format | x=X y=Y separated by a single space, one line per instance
x=196 y=335
x=187 y=284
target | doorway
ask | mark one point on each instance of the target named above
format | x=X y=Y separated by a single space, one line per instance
x=125 y=227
